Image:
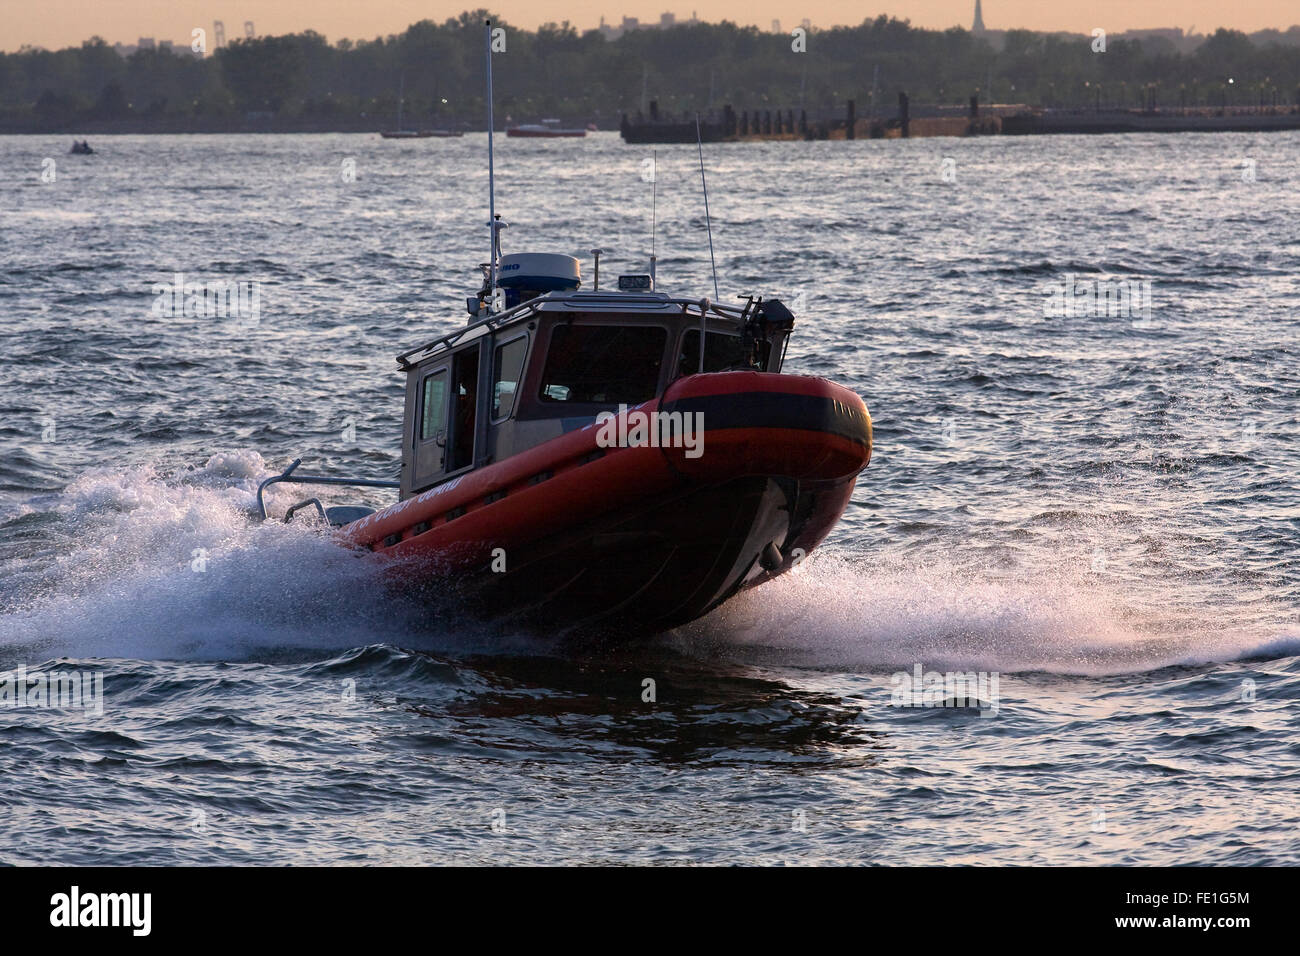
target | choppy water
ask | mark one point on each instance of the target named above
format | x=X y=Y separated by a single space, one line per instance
x=1102 y=510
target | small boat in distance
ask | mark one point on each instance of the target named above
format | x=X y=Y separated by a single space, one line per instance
x=420 y=134
x=401 y=133
x=546 y=129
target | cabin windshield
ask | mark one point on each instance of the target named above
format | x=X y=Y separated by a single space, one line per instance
x=722 y=353
x=605 y=364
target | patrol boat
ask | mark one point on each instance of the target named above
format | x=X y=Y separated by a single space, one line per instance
x=616 y=461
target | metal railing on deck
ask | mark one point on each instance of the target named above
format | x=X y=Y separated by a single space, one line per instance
x=627 y=301
x=288 y=476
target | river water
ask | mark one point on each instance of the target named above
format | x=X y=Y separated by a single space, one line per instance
x=1095 y=509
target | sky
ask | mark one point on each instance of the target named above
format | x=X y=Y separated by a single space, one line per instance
x=58 y=23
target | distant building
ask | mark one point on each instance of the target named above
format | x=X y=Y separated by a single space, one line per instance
x=667 y=21
x=1174 y=36
x=994 y=38
x=125 y=50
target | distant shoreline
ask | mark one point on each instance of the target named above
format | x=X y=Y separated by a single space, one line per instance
x=431 y=76
x=1020 y=123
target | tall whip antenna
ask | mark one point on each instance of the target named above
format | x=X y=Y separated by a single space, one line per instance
x=492 y=193
x=654 y=214
x=699 y=141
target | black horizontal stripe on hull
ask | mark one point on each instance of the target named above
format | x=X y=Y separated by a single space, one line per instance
x=776 y=410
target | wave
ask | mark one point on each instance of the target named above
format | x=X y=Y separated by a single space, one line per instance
x=843 y=613
x=137 y=564
x=134 y=564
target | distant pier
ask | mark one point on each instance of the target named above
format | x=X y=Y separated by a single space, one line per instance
x=908 y=121
x=1229 y=120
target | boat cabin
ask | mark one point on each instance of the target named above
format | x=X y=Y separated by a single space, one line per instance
x=555 y=357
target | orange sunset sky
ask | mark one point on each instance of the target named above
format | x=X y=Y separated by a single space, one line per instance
x=58 y=23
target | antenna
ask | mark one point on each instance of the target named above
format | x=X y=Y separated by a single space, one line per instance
x=699 y=141
x=654 y=217
x=492 y=194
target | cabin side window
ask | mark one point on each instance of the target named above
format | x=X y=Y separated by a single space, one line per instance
x=603 y=364
x=433 y=407
x=464 y=399
x=507 y=368
x=722 y=353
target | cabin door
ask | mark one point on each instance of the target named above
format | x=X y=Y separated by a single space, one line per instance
x=445 y=419
x=429 y=445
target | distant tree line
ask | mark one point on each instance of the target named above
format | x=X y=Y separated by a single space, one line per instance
x=557 y=71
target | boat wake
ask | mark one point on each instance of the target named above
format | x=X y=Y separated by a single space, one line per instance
x=838 y=613
x=137 y=564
